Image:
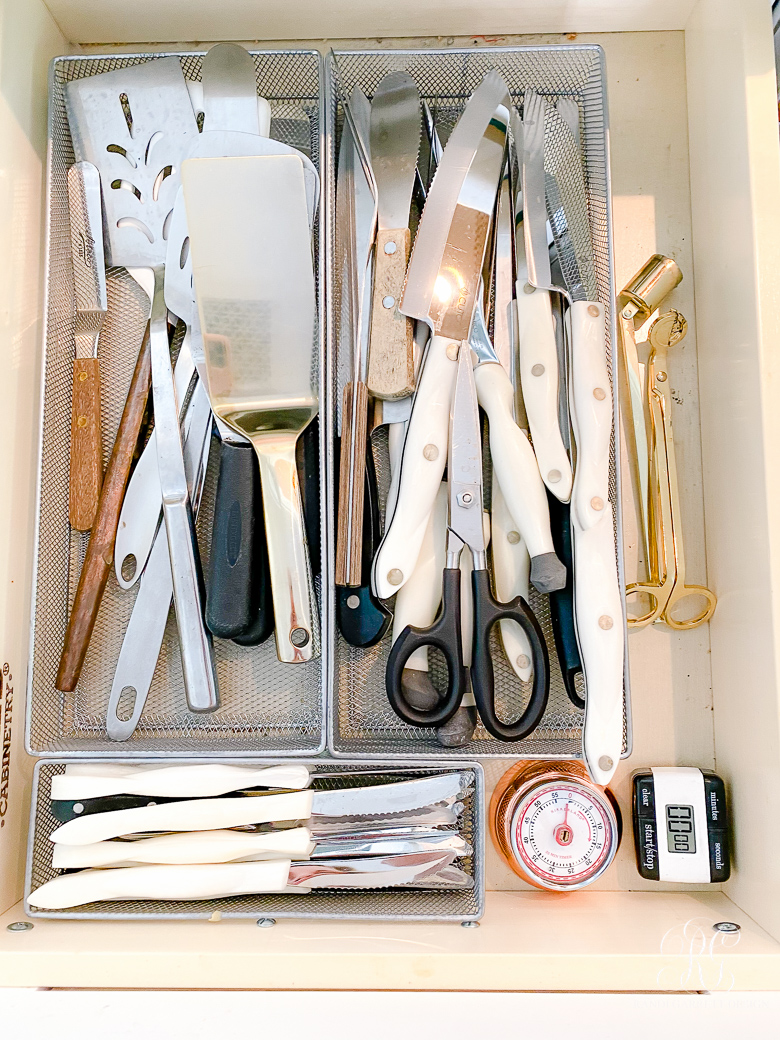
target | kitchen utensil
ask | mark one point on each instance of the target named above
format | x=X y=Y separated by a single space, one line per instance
x=356 y=204
x=395 y=145
x=598 y=603
x=213 y=881
x=681 y=825
x=539 y=373
x=218 y=813
x=119 y=124
x=97 y=561
x=198 y=847
x=229 y=93
x=89 y=290
x=465 y=528
x=254 y=281
x=388 y=845
x=143 y=637
x=667 y=590
x=184 y=781
x=553 y=826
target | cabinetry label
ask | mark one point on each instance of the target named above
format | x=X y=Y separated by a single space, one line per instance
x=6 y=718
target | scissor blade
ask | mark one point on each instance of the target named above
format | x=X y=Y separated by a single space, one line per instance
x=465 y=458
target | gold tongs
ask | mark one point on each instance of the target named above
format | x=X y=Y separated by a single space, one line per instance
x=654 y=456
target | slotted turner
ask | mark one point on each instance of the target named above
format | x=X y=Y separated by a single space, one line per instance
x=135 y=125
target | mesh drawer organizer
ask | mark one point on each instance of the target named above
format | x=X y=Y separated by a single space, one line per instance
x=361 y=721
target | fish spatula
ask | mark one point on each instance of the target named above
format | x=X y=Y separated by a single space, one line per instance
x=250 y=241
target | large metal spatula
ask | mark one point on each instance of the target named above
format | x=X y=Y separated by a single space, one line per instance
x=135 y=125
x=254 y=282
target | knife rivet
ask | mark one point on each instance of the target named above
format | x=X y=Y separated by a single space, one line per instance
x=554 y=476
x=430 y=452
x=537 y=370
x=390 y=248
x=513 y=537
x=82 y=376
x=81 y=421
x=599 y=393
x=78 y=808
x=452 y=351
x=528 y=289
x=661 y=377
x=605 y=763
x=299 y=637
x=388 y=302
x=395 y=577
x=523 y=661
x=597 y=503
x=606 y=622
x=593 y=311
x=353 y=602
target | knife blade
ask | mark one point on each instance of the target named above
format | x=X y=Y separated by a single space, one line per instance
x=539 y=372
x=370 y=872
x=89 y=289
x=425 y=450
x=395 y=145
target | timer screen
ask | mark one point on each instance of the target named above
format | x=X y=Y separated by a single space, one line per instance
x=679 y=828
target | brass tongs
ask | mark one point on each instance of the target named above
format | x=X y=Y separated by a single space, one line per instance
x=656 y=476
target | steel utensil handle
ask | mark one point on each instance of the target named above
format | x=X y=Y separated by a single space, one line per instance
x=100 y=549
x=200 y=681
x=445 y=635
x=422 y=467
x=487 y=612
x=518 y=473
x=540 y=382
x=591 y=401
x=288 y=557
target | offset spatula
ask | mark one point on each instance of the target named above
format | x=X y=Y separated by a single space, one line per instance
x=254 y=282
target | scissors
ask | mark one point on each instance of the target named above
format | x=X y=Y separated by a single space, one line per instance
x=465 y=528
x=666 y=588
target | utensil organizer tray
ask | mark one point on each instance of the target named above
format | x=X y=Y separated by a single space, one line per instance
x=409 y=903
x=360 y=719
x=268 y=708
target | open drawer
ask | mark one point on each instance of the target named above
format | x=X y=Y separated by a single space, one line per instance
x=696 y=175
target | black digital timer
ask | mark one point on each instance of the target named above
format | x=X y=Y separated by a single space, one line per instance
x=681 y=826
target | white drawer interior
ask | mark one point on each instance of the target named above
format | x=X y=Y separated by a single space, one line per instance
x=696 y=175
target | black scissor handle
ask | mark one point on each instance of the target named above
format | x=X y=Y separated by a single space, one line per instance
x=488 y=611
x=445 y=635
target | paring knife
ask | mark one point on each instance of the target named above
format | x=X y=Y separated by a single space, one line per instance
x=213 y=881
x=395 y=145
x=539 y=373
x=598 y=603
x=89 y=288
x=219 y=813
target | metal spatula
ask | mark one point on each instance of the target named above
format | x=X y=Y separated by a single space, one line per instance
x=135 y=125
x=248 y=221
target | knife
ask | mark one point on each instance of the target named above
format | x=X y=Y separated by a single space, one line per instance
x=89 y=288
x=183 y=781
x=598 y=602
x=214 y=881
x=219 y=813
x=395 y=145
x=425 y=450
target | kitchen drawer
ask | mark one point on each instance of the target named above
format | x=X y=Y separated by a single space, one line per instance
x=695 y=174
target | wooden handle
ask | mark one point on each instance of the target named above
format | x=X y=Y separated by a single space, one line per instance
x=100 y=550
x=86 y=452
x=349 y=535
x=390 y=353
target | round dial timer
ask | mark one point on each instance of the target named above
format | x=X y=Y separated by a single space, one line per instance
x=554 y=827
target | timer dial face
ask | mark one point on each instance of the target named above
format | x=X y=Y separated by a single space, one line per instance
x=563 y=835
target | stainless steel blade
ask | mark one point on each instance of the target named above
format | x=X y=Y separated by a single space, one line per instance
x=89 y=265
x=229 y=90
x=504 y=277
x=534 y=196
x=390 y=799
x=394 y=146
x=483 y=121
x=392 y=846
x=371 y=872
x=432 y=816
x=464 y=461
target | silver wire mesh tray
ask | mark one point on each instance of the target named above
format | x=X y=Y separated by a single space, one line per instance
x=360 y=720
x=267 y=708
x=399 y=904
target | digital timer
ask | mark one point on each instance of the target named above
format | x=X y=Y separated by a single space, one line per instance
x=681 y=826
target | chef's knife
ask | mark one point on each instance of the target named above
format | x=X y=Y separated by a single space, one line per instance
x=539 y=373
x=89 y=289
x=395 y=144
